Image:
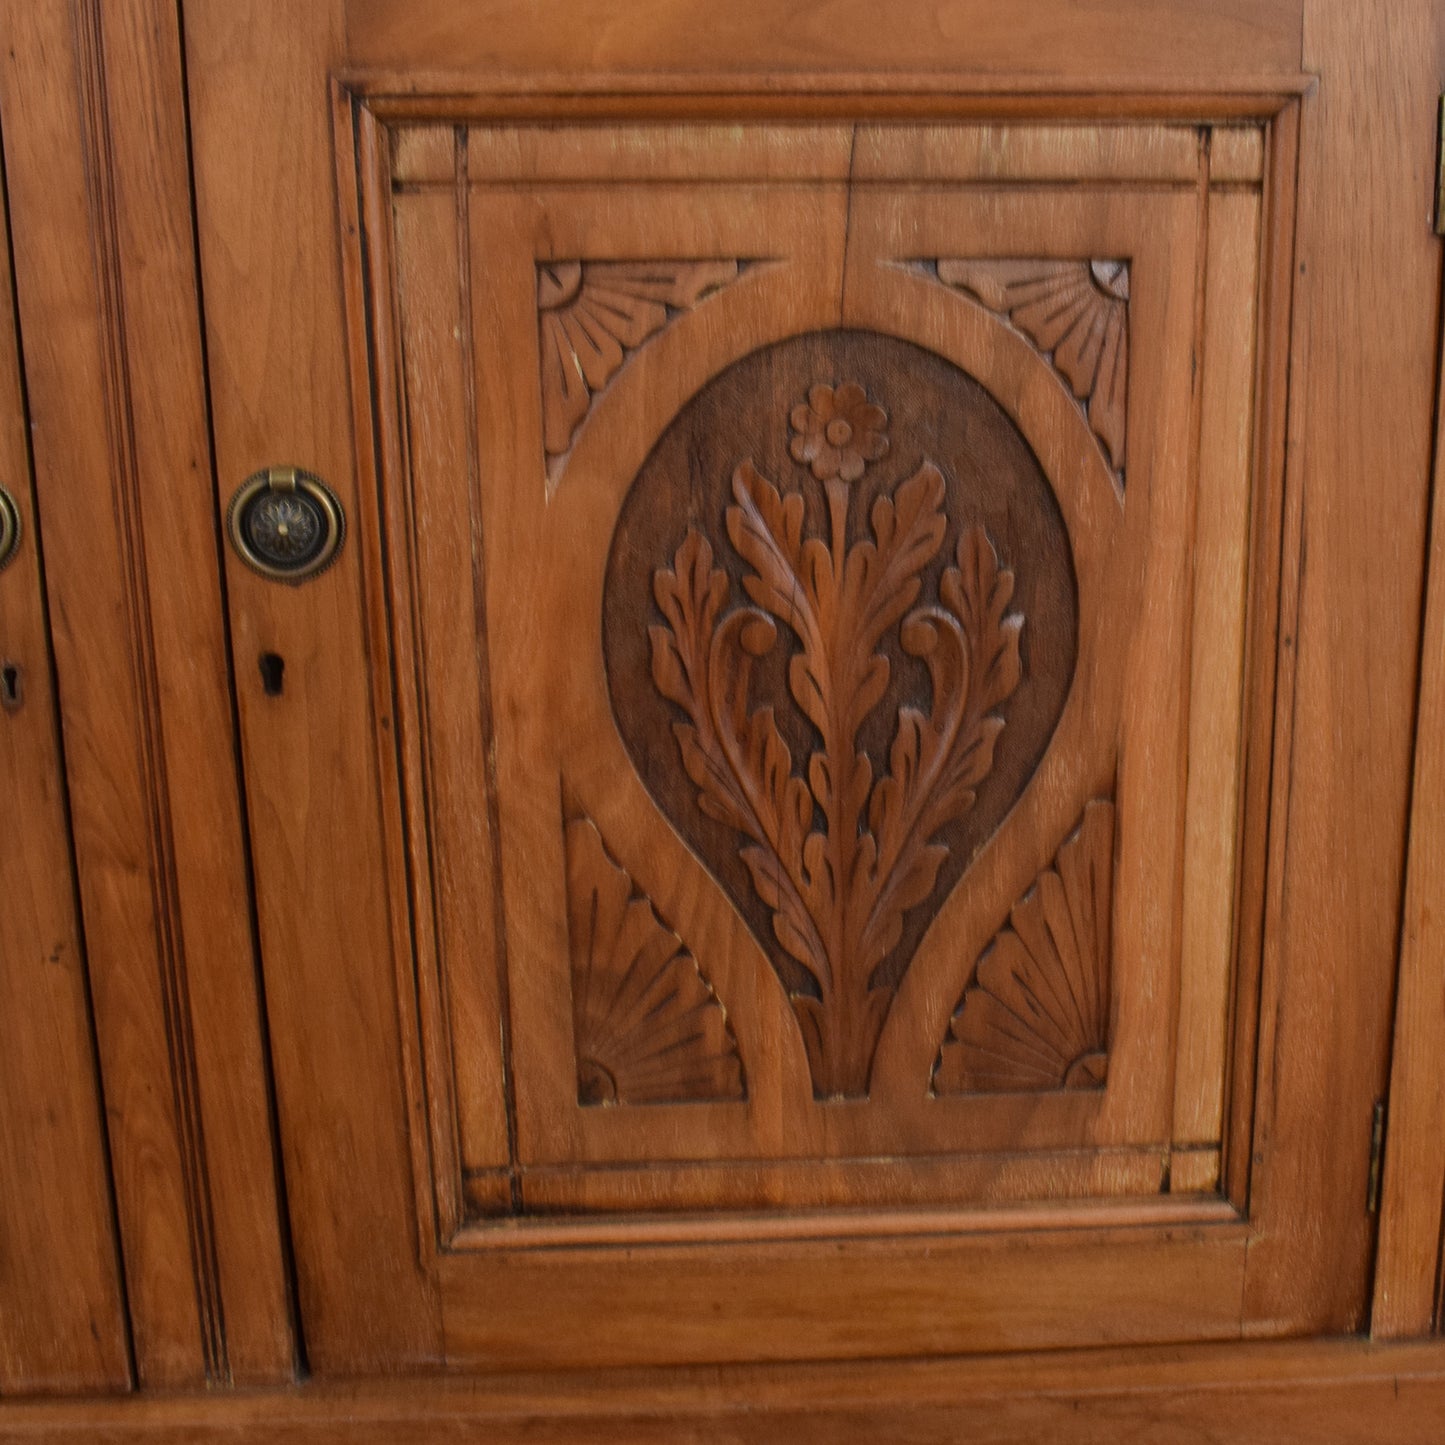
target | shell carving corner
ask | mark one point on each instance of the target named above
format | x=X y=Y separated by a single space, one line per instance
x=591 y=316
x=648 y=1028
x=1076 y=313
x=1035 y=1016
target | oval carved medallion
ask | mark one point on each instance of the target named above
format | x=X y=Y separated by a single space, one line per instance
x=840 y=622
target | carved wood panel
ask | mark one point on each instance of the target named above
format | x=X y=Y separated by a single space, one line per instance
x=839 y=654
x=591 y=315
x=1077 y=314
x=859 y=674
x=1035 y=1014
x=649 y=1028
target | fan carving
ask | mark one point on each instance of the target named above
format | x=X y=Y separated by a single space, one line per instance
x=1077 y=314
x=592 y=315
x=1035 y=1016
x=648 y=1027
x=837 y=856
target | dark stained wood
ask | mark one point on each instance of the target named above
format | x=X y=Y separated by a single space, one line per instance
x=908 y=679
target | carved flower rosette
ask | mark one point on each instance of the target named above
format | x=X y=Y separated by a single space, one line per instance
x=838 y=707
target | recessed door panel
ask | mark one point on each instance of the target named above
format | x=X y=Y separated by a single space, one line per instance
x=798 y=663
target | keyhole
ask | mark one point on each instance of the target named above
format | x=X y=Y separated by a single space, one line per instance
x=273 y=668
x=12 y=692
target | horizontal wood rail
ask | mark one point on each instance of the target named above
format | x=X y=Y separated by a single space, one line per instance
x=1345 y=1392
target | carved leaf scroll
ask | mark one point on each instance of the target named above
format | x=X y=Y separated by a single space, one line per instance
x=1077 y=314
x=1035 y=1017
x=648 y=1027
x=592 y=315
x=837 y=857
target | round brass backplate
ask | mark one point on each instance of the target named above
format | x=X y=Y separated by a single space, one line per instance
x=286 y=524
x=9 y=528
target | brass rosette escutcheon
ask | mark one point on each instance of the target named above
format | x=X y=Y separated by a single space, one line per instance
x=9 y=529
x=286 y=524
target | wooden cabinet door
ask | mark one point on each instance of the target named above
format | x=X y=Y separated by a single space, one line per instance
x=62 y=1324
x=763 y=827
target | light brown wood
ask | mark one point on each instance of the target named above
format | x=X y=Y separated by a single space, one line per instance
x=1407 y=1261
x=325 y=907
x=935 y=1294
x=526 y=312
x=1123 y=43
x=1349 y=631
x=62 y=1320
x=105 y=276
x=1217 y=710
x=176 y=500
x=665 y=637
x=1347 y=1393
x=1155 y=153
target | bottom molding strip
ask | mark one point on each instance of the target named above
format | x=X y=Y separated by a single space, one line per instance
x=1345 y=1392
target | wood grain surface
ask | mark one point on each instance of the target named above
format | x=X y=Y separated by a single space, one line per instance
x=564 y=1074
x=1355 y=544
x=1300 y=1393
x=1119 y=43
x=62 y=1306
x=98 y=184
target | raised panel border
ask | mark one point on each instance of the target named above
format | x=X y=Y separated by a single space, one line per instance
x=363 y=116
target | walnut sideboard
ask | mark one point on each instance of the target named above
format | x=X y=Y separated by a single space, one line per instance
x=721 y=721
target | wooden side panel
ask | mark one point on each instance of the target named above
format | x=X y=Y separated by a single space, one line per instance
x=277 y=351
x=62 y=149
x=1407 y=1261
x=1364 y=348
x=196 y=738
x=1115 y=42
x=62 y=1324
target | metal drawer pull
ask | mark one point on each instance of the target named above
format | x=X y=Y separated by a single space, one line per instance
x=286 y=524
x=9 y=528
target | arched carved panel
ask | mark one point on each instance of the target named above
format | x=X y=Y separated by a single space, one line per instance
x=840 y=623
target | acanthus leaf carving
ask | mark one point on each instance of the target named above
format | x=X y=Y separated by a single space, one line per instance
x=592 y=315
x=1077 y=314
x=648 y=1027
x=836 y=857
x=1035 y=1015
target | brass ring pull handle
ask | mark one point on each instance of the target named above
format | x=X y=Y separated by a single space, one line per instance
x=9 y=528
x=286 y=524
